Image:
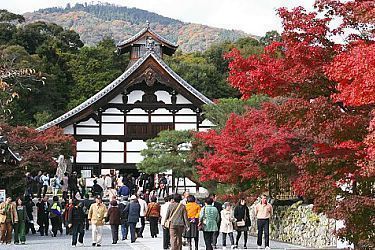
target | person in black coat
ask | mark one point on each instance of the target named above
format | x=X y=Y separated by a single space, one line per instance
x=96 y=189
x=76 y=221
x=29 y=204
x=133 y=209
x=243 y=222
x=124 y=217
x=43 y=216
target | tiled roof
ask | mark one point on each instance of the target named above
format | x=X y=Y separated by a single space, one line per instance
x=140 y=33
x=117 y=82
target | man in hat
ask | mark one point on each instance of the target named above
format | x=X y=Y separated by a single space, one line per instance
x=97 y=214
x=133 y=210
x=8 y=216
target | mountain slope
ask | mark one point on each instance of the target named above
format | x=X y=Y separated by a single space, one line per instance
x=94 y=22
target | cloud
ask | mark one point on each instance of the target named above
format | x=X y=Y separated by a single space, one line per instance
x=252 y=16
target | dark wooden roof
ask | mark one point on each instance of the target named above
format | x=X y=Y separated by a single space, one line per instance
x=168 y=47
x=150 y=58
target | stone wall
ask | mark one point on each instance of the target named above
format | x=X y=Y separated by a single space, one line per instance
x=298 y=224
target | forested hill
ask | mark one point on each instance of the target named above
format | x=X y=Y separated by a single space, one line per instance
x=96 y=21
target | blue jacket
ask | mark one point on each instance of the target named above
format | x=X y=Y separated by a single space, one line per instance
x=133 y=209
x=123 y=191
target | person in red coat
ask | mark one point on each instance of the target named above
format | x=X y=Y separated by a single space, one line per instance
x=113 y=216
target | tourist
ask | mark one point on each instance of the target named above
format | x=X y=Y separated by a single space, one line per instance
x=64 y=186
x=96 y=189
x=43 y=213
x=68 y=207
x=55 y=216
x=153 y=215
x=133 y=209
x=193 y=211
x=162 y=185
x=82 y=185
x=163 y=214
x=19 y=227
x=97 y=213
x=55 y=185
x=86 y=206
x=263 y=213
x=114 y=218
x=39 y=184
x=73 y=185
x=208 y=219
x=242 y=215
x=226 y=225
x=76 y=222
x=177 y=219
x=29 y=184
x=29 y=210
x=185 y=194
x=219 y=207
x=142 y=214
x=124 y=217
x=101 y=182
x=8 y=216
x=45 y=180
x=124 y=191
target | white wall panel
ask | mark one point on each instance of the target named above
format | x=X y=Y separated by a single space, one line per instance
x=161 y=112
x=117 y=99
x=88 y=131
x=87 y=145
x=203 y=129
x=112 y=118
x=186 y=118
x=86 y=157
x=112 y=157
x=207 y=123
x=163 y=96
x=133 y=157
x=161 y=118
x=137 y=119
x=185 y=126
x=90 y=122
x=134 y=96
x=112 y=145
x=69 y=130
x=112 y=129
x=136 y=145
x=112 y=111
x=137 y=112
x=186 y=112
x=182 y=100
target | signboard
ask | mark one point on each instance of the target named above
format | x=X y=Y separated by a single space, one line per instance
x=2 y=195
x=86 y=173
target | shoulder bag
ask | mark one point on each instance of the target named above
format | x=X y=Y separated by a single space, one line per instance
x=168 y=221
x=242 y=222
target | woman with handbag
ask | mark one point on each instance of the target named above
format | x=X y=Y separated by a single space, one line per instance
x=153 y=215
x=193 y=211
x=208 y=220
x=242 y=215
x=226 y=224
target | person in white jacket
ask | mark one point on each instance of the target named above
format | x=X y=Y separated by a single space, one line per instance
x=142 y=214
x=163 y=214
x=226 y=225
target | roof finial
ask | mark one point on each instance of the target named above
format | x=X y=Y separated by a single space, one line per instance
x=148 y=24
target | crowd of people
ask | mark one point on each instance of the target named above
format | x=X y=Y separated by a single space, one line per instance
x=131 y=202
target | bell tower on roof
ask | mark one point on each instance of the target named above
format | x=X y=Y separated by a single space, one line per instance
x=146 y=40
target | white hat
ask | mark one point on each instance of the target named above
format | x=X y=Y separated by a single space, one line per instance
x=133 y=197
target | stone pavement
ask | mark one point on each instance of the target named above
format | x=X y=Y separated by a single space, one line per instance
x=147 y=243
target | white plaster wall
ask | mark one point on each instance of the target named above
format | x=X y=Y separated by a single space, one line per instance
x=112 y=111
x=207 y=123
x=186 y=118
x=161 y=111
x=182 y=100
x=87 y=131
x=187 y=126
x=87 y=157
x=90 y=121
x=87 y=145
x=112 y=118
x=137 y=112
x=186 y=111
x=161 y=118
x=135 y=95
x=117 y=99
x=163 y=96
x=133 y=157
x=137 y=119
x=112 y=145
x=112 y=129
x=113 y=157
x=136 y=145
x=69 y=130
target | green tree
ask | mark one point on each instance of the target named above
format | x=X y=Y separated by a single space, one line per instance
x=170 y=150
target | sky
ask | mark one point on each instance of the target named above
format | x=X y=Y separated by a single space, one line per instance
x=252 y=16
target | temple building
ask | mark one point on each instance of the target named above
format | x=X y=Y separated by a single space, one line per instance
x=112 y=126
